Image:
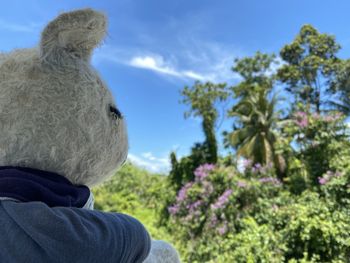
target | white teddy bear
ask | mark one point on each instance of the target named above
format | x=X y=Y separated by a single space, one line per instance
x=61 y=133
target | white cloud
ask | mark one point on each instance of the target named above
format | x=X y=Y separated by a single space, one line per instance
x=150 y=162
x=144 y=60
x=193 y=75
x=28 y=28
x=203 y=62
x=157 y=63
x=212 y=59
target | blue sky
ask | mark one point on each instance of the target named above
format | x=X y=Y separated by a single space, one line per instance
x=154 y=48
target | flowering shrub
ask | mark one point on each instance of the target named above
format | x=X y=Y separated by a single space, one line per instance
x=227 y=216
x=301 y=119
x=316 y=140
x=253 y=243
x=211 y=205
x=199 y=204
x=335 y=186
x=328 y=176
x=257 y=169
x=313 y=227
x=313 y=129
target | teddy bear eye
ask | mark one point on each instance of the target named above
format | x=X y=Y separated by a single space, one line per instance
x=115 y=112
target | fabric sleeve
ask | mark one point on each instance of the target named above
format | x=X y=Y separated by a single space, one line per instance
x=80 y=235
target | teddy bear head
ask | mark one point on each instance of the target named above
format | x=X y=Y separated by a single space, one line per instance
x=56 y=113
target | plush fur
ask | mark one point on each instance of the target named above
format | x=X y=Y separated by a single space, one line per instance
x=55 y=109
x=162 y=252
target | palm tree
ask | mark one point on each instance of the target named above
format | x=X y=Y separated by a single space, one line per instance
x=257 y=135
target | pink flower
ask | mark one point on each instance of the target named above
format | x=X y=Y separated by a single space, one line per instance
x=328 y=118
x=303 y=123
x=181 y=196
x=194 y=205
x=256 y=168
x=328 y=176
x=213 y=221
x=322 y=180
x=247 y=163
x=300 y=114
x=337 y=174
x=173 y=210
x=316 y=116
x=301 y=119
x=222 y=200
x=203 y=171
x=241 y=184
x=208 y=188
x=331 y=118
x=223 y=229
x=274 y=207
x=272 y=180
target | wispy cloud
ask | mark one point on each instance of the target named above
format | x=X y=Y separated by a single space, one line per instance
x=152 y=63
x=183 y=47
x=144 y=60
x=27 y=28
x=211 y=59
x=150 y=162
x=207 y=62
x=158 y=64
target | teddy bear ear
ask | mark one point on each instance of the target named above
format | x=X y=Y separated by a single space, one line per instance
x=72 y=35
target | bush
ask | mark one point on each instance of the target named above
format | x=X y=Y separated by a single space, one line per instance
x=312 y=225
x=217 y=206
x=135 y=192
x=227 y=216
x=230 y=215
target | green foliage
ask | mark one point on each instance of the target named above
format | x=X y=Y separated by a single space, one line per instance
x=255 y=133
x=206 y=211
x=254 y=243
x=340 y=84
x=182 y=171
x=311 y=225
x=318 y=139
x=202 y=99
x=256 y=73
x=193 y=200
x=310 y=66
x=336 y=188
x=135 y=192
x=289 y=200
x=258 y=220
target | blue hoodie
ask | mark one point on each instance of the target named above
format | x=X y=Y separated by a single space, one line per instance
x=61 y=230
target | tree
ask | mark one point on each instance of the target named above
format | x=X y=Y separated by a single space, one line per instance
x=254 y=134
x=341 y=85
x=256 y=72
x=202 y=99
x=309 y=68
x=182 y=171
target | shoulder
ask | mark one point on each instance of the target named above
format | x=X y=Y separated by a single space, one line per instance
x=81 y=231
